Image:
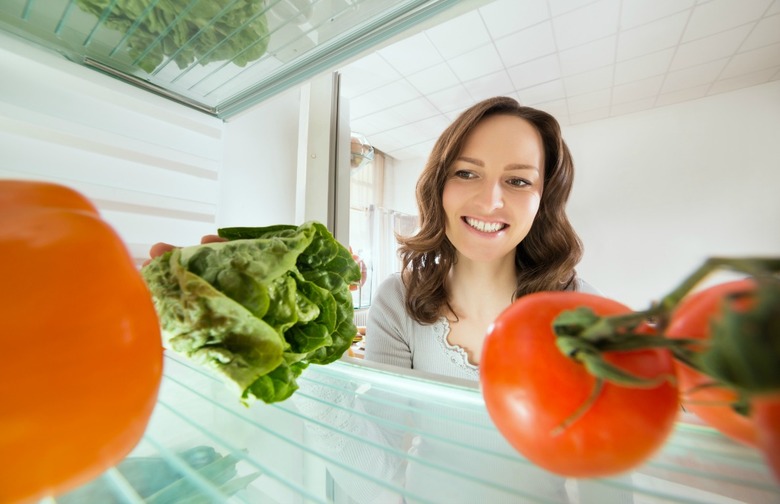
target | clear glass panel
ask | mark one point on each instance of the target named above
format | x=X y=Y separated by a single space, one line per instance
x=360 y=433
x=221 y=57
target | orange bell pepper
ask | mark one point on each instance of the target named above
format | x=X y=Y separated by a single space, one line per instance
x=81 y=358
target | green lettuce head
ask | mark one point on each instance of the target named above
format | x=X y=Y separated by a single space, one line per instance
x=185 y=32
x=258 y=308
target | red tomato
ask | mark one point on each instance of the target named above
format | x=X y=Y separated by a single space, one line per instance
x=692 y=319
x=765 y=413
x=530 y=388
x=82 y=355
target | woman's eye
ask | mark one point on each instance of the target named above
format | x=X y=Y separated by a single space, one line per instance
x=518 y=182
x=463 y=174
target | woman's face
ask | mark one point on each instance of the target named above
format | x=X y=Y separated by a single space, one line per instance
x=494 y=188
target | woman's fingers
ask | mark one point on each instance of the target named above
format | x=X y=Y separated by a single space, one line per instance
x=159 y=249
x=212 y=239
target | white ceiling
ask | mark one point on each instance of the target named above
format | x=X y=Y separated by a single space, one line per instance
x=581 y=60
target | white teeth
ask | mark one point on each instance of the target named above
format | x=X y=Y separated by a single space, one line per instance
x=485 y=227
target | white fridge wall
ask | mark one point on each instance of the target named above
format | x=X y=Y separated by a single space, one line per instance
x=157 y=170
x=151 y=166
x=258 y=181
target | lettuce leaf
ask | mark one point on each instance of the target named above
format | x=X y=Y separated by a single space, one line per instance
x=258 y=308
x=186 y=31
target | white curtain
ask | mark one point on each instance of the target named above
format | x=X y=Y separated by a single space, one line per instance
x=380 y=249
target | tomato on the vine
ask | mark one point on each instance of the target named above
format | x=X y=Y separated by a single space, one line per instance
x=739 y=320
x=82 y=354
x=714 y=404
x=765 y=413
x=532 y=391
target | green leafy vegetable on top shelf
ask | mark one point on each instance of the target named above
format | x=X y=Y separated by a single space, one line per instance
x=260 y=307
x=186 y=31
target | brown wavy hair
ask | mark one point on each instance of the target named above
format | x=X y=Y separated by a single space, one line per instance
x=547 y=256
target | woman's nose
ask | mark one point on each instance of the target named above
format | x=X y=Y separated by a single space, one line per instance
x=491 y=196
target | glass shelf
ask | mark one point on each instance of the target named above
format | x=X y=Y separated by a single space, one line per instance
x=218 y=57
x=358 y=432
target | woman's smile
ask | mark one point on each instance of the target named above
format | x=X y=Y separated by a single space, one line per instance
x=491 y=227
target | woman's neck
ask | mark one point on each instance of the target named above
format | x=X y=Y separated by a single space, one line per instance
x=481 y=287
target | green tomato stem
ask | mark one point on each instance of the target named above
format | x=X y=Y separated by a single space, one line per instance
x=584 y=407
x=754 y=266
x=585 y=337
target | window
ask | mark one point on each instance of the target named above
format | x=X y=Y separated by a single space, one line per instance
x=372 y=227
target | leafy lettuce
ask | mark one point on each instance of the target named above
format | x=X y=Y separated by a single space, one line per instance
x=258 y=308
x=186 y=31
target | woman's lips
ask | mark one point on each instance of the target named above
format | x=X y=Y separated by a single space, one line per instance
x=484 y=226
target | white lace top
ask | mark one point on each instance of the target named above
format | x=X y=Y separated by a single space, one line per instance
x=394 y=338
x=456 y=354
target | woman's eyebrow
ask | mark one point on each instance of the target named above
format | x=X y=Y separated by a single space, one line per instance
x=519 y=166
x=471 y=160
x=513 y=166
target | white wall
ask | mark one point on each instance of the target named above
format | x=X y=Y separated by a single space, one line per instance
x=151 y=166
x=400 y=180
x=656 y=192
x=258 y=182
x=157 y=170
x=659 y=191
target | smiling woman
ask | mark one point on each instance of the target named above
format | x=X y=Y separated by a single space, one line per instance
x=494 y=188
x=493 y=227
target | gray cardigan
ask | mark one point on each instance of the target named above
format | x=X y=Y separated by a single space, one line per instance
x=392 y=337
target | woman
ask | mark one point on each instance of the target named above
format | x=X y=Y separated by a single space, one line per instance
x=493 y=227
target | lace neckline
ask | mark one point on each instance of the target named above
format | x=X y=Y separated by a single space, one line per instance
x=456 y=353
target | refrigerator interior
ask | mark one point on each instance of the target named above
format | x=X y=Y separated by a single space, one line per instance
x=160 y=167
x=356 y=432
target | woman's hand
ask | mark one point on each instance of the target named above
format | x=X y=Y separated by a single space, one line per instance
x=161 y=247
